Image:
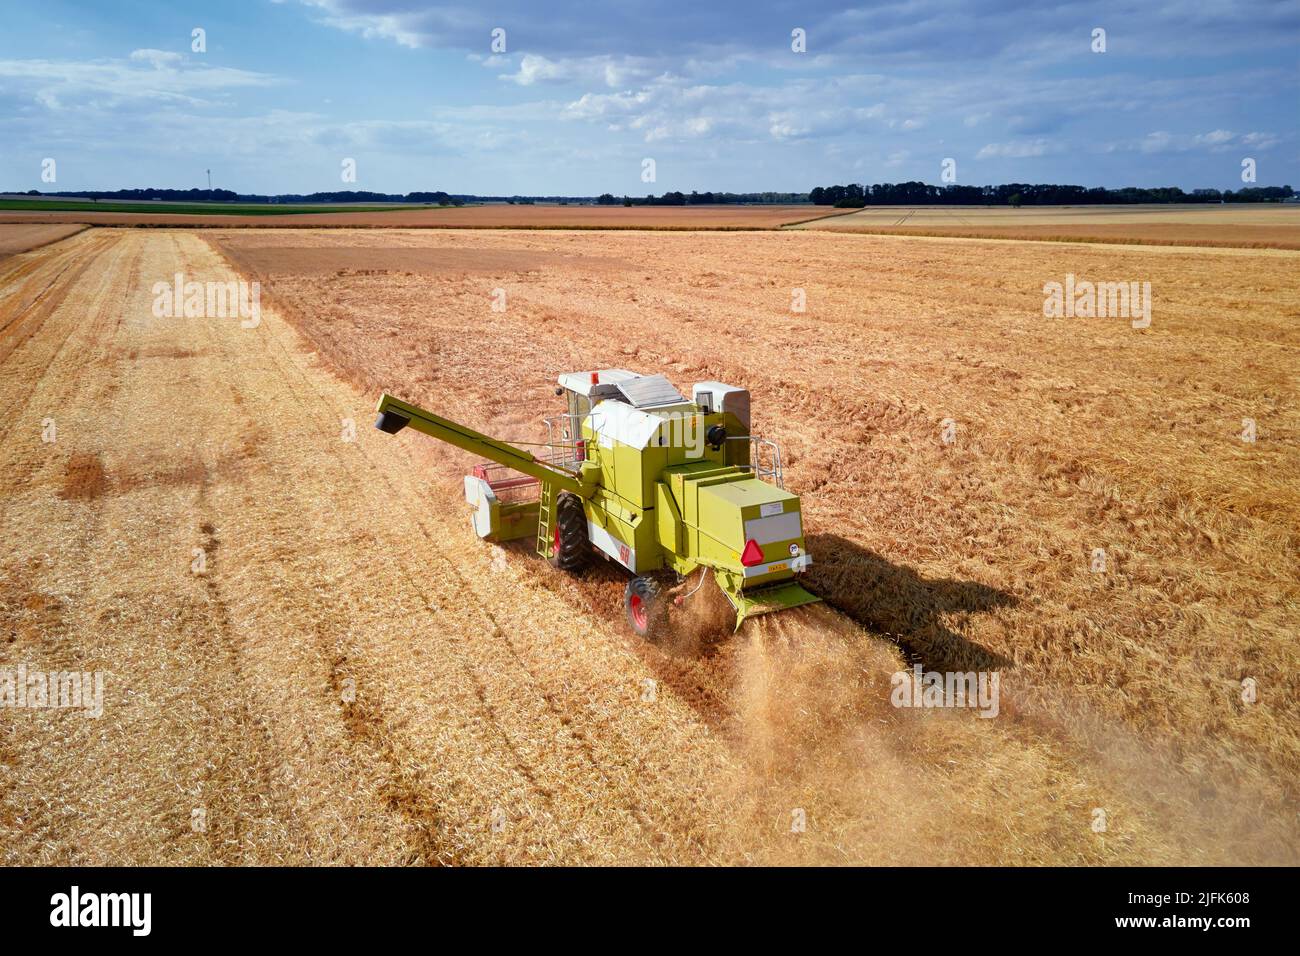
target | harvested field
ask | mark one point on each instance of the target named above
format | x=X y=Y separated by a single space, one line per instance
x=355 y=678
x=272 y=259
x=20 y=238
x=1259 y=226
x=468 y=217
x=1076 y=434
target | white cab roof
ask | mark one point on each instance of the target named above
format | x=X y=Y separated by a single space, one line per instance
x=581 y=382
x=640 y=391
x=650 y=391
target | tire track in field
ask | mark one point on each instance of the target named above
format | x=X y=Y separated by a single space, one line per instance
x=232 y=369
x=18 y=316
x=103 y=619
x=248 y=749
x=32 y=321
x=56 y=646
x=53 y=367
x=82 y=540
x=365 y=718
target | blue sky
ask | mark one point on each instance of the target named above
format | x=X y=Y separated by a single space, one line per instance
x=1012 y=91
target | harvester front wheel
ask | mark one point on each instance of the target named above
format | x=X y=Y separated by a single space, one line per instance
x=647 y=607
x=570 y=548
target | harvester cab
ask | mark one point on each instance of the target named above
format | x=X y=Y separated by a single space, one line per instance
x=635 y=473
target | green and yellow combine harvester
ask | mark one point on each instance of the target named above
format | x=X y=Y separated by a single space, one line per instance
x=636 y=473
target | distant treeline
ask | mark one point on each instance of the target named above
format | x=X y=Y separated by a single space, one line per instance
x=701 y=199
x=225 y=195
x=440 y=197
x=1029 y=194
x=854 y=195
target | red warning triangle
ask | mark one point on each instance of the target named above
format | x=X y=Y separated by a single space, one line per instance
x=752 y=554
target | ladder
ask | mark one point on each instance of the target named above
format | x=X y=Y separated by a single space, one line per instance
x=545 y=520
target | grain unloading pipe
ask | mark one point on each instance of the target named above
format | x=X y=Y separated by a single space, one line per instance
x=395 y=414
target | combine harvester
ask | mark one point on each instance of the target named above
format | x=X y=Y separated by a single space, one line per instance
x=634 y=472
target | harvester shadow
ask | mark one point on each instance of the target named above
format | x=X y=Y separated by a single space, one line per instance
x=898 y=602
x=865 y=587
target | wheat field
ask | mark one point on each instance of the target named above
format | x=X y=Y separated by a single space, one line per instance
x=355 y=678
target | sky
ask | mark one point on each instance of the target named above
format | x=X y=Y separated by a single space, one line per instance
x=577 y=96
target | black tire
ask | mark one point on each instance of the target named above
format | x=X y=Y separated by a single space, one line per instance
x=570 y=549
x=646 y=606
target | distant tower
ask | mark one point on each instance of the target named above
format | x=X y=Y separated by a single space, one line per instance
x=209 y=180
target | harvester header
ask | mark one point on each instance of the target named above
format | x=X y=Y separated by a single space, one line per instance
x=633 y=471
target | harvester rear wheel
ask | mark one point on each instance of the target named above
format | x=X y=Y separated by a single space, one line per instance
x=647 y=607
x=570 y=548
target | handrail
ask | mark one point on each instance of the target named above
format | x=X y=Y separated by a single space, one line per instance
x=564 y=452
x=774 y=470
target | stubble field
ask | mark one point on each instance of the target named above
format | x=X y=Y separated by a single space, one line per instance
x=500 y=713
x=493 y=216
x=20 y=238
x=1240 y=225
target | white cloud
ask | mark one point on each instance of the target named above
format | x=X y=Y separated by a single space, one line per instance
x=784 y=129
x=944 y=31
x=1157 y=142
x=1214 y=137
x=608 y=71
x=145 y=75
x=1214 y=141
x=157 y=58
x=401 y=29
x=534 y=69
x=673 y=108
x=1260 y=140
x=1018 y=149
